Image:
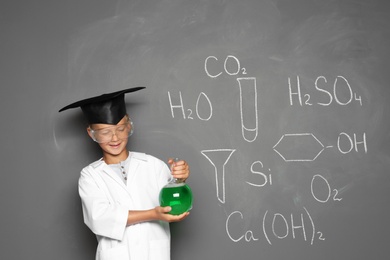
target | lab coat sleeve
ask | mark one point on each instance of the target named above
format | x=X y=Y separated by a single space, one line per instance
x=102 y=215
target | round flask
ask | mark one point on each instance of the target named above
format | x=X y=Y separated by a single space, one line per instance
x=178 y=195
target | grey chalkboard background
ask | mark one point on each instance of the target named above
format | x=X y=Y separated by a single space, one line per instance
x=280 y=107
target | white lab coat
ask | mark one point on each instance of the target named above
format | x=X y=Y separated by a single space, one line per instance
x=106 y=201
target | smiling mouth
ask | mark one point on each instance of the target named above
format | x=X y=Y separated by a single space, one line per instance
x=115 y=145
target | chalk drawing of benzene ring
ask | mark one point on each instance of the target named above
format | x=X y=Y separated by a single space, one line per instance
x=299 y=140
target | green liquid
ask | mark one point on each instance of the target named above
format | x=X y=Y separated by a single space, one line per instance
x=178 y=197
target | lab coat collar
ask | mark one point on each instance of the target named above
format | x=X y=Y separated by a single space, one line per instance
x=134 y=155
x=135 y=159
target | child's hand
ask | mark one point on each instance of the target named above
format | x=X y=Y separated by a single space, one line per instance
x=162 y=214
x=180 y=169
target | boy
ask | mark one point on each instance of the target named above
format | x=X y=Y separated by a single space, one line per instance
x=120 y=192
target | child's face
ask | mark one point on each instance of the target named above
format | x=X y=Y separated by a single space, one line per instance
x=111 y=138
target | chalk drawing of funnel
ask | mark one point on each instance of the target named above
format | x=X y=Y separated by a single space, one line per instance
x=219 y=158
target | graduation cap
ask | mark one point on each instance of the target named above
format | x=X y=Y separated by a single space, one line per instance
x=104 y=109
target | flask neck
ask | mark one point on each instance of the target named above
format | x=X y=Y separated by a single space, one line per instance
x=174 y=180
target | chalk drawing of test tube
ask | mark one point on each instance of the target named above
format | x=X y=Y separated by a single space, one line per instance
x=248 y=108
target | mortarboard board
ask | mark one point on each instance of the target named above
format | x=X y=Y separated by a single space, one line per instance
x=104 y=109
